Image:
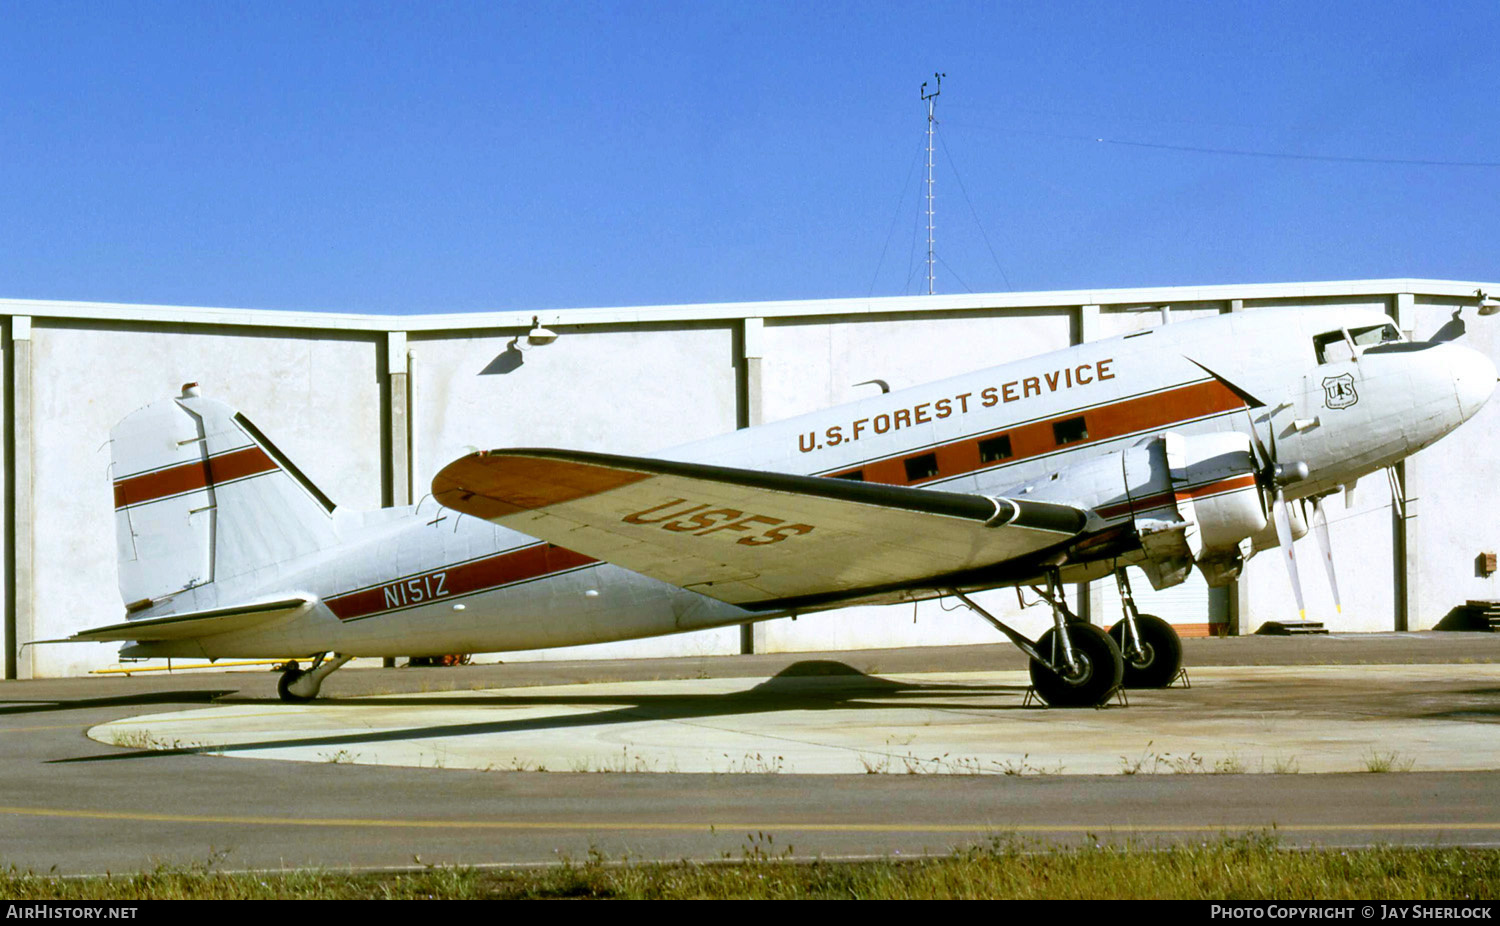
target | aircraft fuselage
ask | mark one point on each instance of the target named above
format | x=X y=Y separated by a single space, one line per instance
x=1066 y=426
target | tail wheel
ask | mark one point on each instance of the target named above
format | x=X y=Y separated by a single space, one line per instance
x=1160 y=656
x=284 y=686
x=1099 y=672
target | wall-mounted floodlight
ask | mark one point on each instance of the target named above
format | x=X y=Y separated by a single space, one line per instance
x=536 y=337
x=539 y=335
x=1488 y=305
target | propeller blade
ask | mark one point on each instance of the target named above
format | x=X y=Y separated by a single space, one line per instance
x=1288 y=547
x=1325 y=545
x=1398 y=491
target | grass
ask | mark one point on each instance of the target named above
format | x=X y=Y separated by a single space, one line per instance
x=145 y=739
x=1388 y=762
x=1244 y=867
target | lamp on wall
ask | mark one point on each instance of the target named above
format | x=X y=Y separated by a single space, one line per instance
x=1488 y=305
x=538 y=335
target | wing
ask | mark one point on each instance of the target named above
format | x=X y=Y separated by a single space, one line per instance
x=192 y=624
x=750 y=538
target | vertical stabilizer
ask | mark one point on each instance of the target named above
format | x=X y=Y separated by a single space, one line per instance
x=202 y=496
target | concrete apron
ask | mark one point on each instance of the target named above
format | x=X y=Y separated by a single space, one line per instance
x=826 y=718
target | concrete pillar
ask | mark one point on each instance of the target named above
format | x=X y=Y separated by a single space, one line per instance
x=398 y=428
x=1087 y=598
x=398 y=420
x=1089 y=327
x=20 y=611
x=753 y=349
x=752 y=413
x=1404 y=524
x=1237 y=593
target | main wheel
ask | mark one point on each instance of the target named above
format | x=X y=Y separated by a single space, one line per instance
x=1100 y=668
x=284 y=686
x=1160 y=657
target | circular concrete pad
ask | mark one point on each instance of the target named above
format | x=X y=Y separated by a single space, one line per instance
x=826 y=718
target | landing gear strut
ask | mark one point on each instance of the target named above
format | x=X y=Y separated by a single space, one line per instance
x=1074 y=664
x=1150 y=646
x=297 y=685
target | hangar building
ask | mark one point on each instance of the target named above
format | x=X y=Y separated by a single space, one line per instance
x=371 y=406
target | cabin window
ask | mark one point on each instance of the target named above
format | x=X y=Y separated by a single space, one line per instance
x=1070 y=431
x=994 y=449
x=922 y=467
x=854 y=475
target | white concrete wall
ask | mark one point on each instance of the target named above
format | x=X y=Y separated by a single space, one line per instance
x=1456 y=484
x=318 y=399
x=1361 y=538
x=618 y=390
x=637 y=387
x=605 y=389
x=814 y=363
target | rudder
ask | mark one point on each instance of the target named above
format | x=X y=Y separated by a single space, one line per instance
x=202 y=496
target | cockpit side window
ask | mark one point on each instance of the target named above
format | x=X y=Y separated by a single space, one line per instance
x=1337 y=346
x=1332 y=347
x=1374 y=335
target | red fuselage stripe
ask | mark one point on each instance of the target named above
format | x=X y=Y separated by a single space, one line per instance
x=1031 y=439
x=1163 y=499
x=1037 y=438
x=191 y=477
x=508 y=568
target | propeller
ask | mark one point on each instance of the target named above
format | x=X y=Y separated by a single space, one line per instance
x=1272 y=477
x=1325 y=546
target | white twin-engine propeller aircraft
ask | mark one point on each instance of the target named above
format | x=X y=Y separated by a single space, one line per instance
x=1173 y=447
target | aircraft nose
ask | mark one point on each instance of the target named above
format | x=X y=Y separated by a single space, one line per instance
x=1473 y=379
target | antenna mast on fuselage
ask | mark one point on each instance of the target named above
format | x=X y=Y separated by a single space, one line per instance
x=931 y=101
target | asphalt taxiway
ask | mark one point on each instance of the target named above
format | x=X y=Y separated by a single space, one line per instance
x=1350 y=739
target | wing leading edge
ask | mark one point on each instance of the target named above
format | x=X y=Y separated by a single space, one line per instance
x=748 y=537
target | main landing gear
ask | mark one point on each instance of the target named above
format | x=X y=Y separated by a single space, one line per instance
x=1075 y=664
x=297 y=685
x=1149 y=645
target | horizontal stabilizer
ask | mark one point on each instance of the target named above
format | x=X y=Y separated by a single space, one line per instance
x=193 y=624
x=748 y=537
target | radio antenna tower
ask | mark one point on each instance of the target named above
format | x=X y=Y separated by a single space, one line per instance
x=931 y=100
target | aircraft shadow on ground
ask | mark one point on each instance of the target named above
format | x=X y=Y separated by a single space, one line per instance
x=79 y=704
x=819 y=685
x=1471 y=712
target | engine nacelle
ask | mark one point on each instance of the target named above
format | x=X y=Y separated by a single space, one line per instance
x=1191 y=499
x=1207 y=480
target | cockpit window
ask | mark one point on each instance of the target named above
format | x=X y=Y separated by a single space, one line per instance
x=1374 y=335
x=1337 y=346
x=1333 y=347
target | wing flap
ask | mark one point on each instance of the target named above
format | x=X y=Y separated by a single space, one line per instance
x=193 y=623
x=745 y=536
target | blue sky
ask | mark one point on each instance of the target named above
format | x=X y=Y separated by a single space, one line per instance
x=421 y=157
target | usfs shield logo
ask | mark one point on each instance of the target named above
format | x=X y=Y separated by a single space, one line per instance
x=1338 y=391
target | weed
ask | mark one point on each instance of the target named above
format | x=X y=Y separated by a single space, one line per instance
x=145 y=739
x=1376 y=761
x=755 y=764
x=1129 y=766
x=1010 y=767
x=875 y=766
x=1152 y=763
x=1286 y=766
